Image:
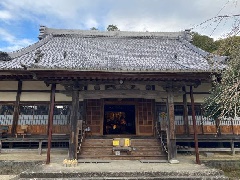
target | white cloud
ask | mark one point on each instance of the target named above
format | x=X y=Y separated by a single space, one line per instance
x=13 y=42
x=84 y=14
x=89 y=23
x=133 y=15
x=4 y=15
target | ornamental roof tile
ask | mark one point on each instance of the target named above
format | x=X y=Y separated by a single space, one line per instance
x=79 y=50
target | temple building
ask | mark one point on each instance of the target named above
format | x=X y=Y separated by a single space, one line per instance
x=120 y=84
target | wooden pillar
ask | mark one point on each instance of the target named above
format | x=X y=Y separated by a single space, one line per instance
x=40 y=147
x=202 y=122
x=0 y=146
x=218 y=127
x=84 y=111
x=232 y=126
x=232 y=148
x=155 y=120
x=185 y=111
x=16 y=109
x=50 y=120
x=73 y=125
x=194 y=126
x=172 y=150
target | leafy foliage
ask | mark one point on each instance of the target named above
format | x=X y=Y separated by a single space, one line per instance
x=227 y=46
x=223 y=47
x=224 y=100
x=204 y=42
x=93 y=29
x=112 y=28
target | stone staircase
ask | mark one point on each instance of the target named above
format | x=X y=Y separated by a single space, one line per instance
x=142 y=148
x=160 y=175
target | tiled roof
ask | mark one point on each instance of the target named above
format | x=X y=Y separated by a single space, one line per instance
x=112 y=51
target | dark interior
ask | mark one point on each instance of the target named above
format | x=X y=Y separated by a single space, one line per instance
x=119 y=119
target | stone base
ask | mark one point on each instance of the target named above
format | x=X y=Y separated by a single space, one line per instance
x=208 y=154
x=173 y=161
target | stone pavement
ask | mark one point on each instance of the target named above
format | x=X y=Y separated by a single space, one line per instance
x=126 y=167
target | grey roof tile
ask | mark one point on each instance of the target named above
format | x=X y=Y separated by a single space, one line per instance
x=111 y=51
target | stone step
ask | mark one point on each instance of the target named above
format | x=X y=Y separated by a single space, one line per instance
x=169 y=175
x=140 y=178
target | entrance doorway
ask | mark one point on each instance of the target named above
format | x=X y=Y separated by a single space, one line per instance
x=119 y=119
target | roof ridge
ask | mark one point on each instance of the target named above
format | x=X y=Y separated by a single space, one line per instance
x=194 y=48
x=210 y=57
x=44 y=31
x=32 y=47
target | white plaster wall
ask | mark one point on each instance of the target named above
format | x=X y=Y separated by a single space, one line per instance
x=8 y=96
x=8 y=85
x=160 y=100
x=159 y=88
x=141 y=87
x=60 y=87
x=35 y=96
x=204 y=87
x=178 y=98
x=91 y=87
x=198 y=98
x=35 y=85
x=62 y=97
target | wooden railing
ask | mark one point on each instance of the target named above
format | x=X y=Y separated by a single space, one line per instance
x=162 y=135
x=37 y=124
x=34 y=119
x=208 y=126
x=81 y=135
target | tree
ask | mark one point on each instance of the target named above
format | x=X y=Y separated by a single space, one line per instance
x=93 y=29
x=227 y=46
x=224 y=100
x=204 y=42
x=112 y=28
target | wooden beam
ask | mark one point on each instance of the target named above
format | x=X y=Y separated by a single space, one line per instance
x=172 y=150
x=194 y=126
x=73 y=125
x=103 y=75
x=99 y=94
x=50 y=120
x=16 y=109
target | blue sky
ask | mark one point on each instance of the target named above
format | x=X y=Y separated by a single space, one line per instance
x=20 y=19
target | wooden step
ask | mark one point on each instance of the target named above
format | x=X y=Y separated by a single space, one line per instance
x=141 y=149
x=124 y=157
x=109 y=151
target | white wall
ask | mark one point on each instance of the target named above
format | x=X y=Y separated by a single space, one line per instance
x=35 y=96
x=35 y=85
x=62 y=97
x=8 y=85
x=8 y=96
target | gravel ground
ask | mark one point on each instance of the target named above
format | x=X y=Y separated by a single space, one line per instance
x=58 y=155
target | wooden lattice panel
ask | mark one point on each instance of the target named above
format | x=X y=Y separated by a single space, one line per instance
x=94 y=115
x=145 y=116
